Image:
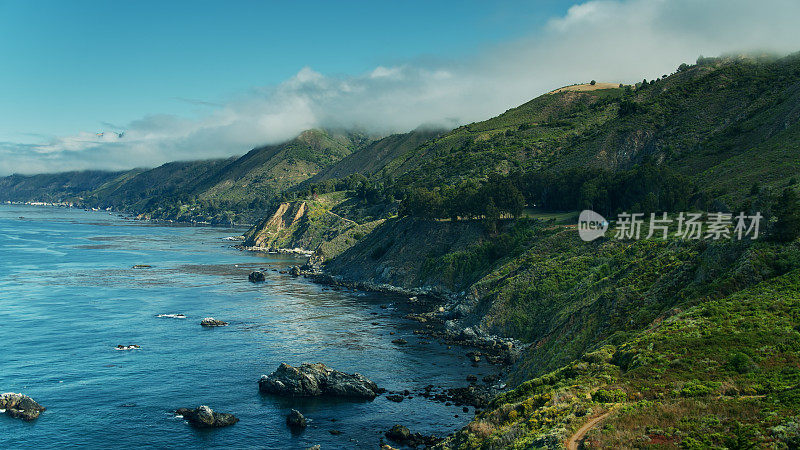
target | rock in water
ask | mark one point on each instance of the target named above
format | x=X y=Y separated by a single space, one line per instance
x=127 y=347
x=212 y=322
x=20 y=406
x=205 y=417
x=399 y=434
x=402 y=435
x=294 y=271
x=256 y=277
x=295 y=420
x=310 y=380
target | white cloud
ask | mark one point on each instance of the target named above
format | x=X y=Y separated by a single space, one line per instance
x=604 y=40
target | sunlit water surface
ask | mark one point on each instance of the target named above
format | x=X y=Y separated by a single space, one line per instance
x=69 y=295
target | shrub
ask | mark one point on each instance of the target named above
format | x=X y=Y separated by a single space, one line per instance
x=609 y=396
x=696 y=388
x=740 y=363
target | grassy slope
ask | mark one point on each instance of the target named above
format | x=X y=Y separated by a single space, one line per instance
x=725 y=373
x=524 y=137
x=267 y=171
x=709 y=122
x=374 y=157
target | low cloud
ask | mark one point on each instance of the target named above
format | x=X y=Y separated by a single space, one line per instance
x=616 y=41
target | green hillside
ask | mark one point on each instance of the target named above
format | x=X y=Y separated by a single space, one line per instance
x=667 y=342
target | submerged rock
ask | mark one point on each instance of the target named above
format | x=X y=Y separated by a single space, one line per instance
x=295 y=420
x=172 y=316
x=212 y=322
x=310 y=380
x=256 y=277
x=20 y=406
x=205 y=417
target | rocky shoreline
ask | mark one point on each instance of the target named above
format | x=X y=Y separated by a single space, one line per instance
x=446 y=310
x=440 y=321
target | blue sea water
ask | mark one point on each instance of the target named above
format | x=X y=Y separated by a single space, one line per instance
x=69 y=295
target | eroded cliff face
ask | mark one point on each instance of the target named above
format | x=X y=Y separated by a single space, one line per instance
x=306 y=228
x=278 y=227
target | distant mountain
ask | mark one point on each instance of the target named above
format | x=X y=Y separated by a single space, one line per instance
x=218 y=191
x=53 y=187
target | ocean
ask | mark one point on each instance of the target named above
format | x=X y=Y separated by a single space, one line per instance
x=69 y=295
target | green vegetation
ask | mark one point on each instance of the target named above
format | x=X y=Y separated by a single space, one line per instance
x=723 y=374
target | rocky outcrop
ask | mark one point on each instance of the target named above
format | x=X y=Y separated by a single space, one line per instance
x=403 y=436
x=127 y=347
x=212 y=322
x=20 y=406
x=205 y=417
x=256 y=276
x=295 y=420
x=311 y=380
x=287 y=215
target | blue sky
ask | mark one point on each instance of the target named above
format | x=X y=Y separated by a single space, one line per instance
x=201 y=79
x=75 y=65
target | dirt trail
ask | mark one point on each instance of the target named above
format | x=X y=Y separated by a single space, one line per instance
x=577 y=437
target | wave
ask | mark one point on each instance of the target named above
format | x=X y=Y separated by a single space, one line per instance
x=172 y=316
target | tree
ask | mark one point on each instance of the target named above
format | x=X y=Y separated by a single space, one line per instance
x=593 y=82
x=787 y=210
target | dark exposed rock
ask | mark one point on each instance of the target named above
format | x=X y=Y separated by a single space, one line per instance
x=142 y=266
x=127 y=347
x=294 y=271
x=20 y=406
x=471 y=395
x=403 y=436
x=205 y=417
x=399 y=341
x=212 y=322
x=295 y=420
x=395 y=398
x=311 y=380
x=256 y=276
